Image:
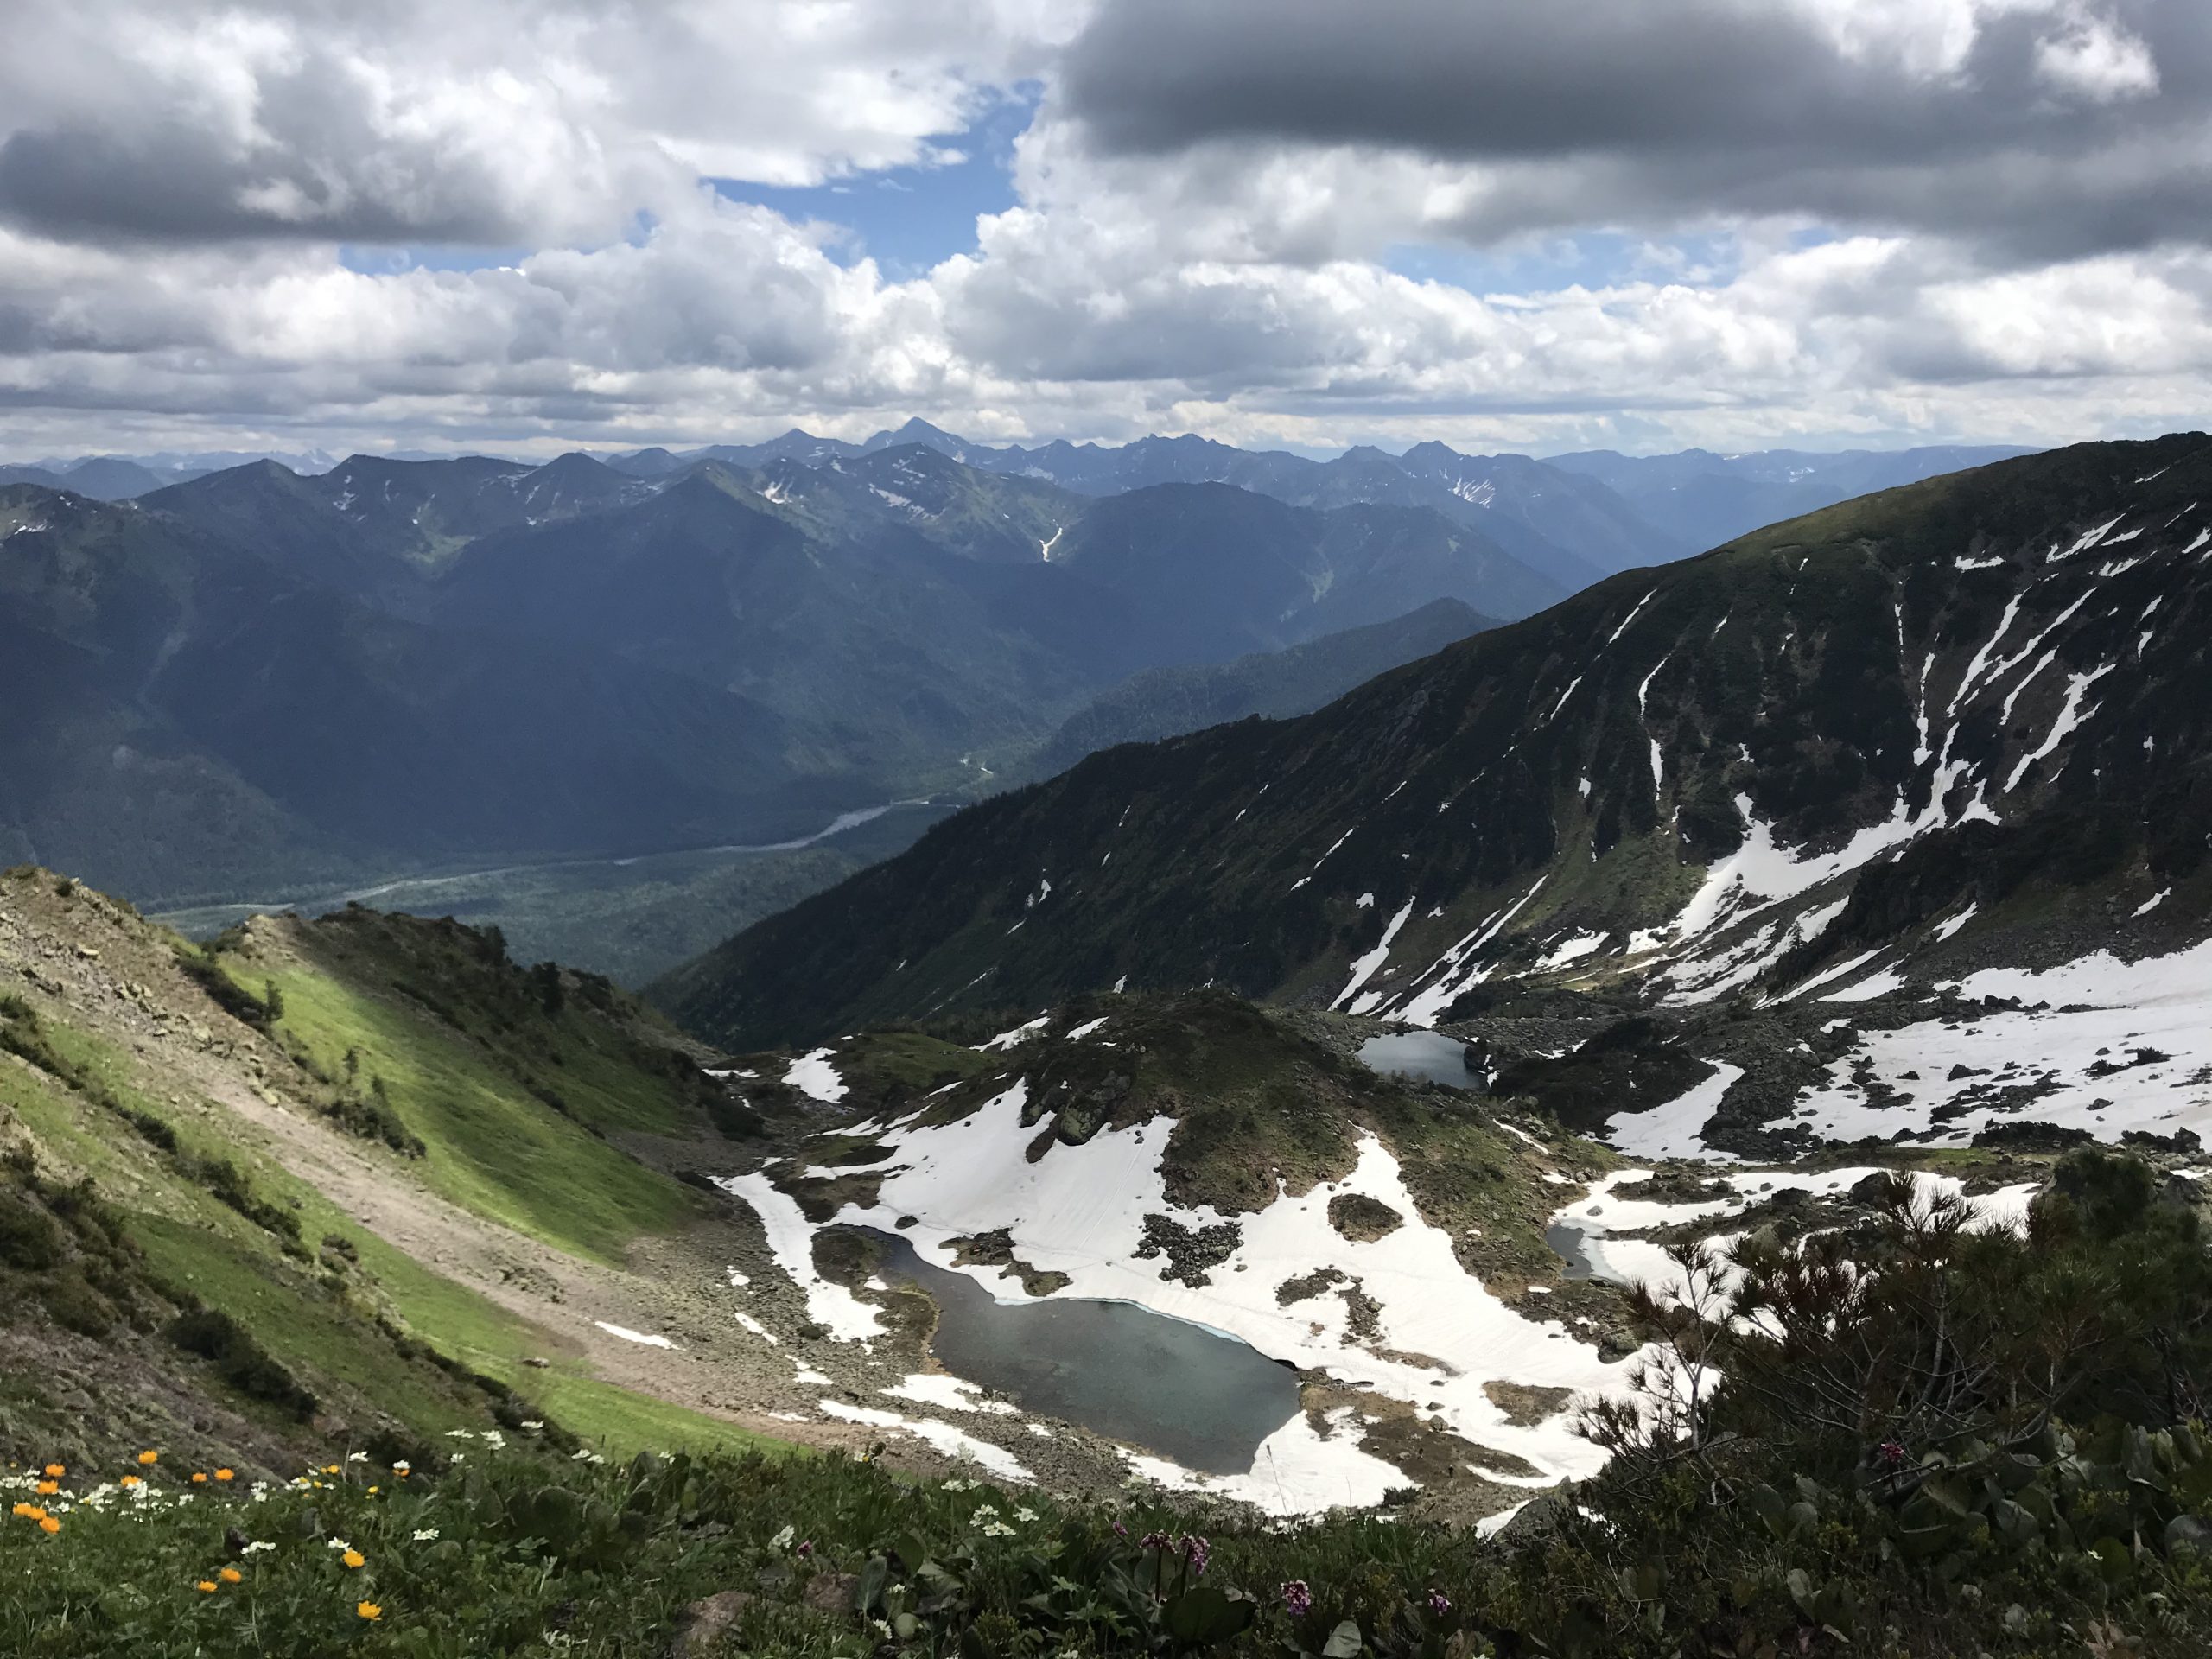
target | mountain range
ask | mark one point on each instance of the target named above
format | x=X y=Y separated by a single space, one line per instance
x=257 y=677
x=1951 y=735
x=1575 y=517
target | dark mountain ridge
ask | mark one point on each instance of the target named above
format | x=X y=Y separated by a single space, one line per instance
x=1670 y=780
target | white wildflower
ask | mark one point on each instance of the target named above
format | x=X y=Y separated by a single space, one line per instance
x=257 y=1547
x=425 y=1533
x=783 y=1540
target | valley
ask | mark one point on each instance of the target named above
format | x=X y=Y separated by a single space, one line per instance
x=527 y=1172
x=1377 y=1106
x=631 y=918
x=1106 y=829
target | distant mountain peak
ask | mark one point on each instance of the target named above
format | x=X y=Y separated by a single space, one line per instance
x=916 y=430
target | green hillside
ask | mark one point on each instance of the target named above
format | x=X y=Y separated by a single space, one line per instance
x=299 y=1239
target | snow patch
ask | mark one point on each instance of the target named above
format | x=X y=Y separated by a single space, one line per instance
x=814 y=1076
x=628 y=1335
x=1675 y=1129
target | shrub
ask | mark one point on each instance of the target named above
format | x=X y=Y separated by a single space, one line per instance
x=241 y=1361
x=205 y=971
x=29 y=1240
x=224 y=1179
x=373 y=1119
x=75 y=1306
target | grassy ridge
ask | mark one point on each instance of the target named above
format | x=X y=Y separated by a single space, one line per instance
x=212 y=1219
x=475 y=1077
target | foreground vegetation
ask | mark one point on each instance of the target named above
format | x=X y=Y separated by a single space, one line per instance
x=1974 y=1442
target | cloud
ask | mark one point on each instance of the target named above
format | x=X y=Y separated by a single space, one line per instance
x=1979 y=218
x=2097 y=62
x=496 y=123
x=2043 y=129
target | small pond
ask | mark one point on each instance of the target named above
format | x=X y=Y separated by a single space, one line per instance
x=1566 y=1240
x=1426 y=1054
x=1187 y=1393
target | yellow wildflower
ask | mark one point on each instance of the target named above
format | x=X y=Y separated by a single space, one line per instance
x=205 y=1586
x=150 y=1457
x=132 y=1480
x=54 y=1470
x=225 y=1474
x=28 y=1511
x=230 y=1575
x=198 y=1479
x=368 y=1610
x=49 y=1488
x=47 y=1523
x=329 y=1468
x=354 y=1557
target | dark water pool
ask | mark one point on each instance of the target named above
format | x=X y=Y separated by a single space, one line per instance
x=1187 y=1393
x=1421 y=1054
x=1566 y=1239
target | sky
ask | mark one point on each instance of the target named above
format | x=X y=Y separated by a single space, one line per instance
x=529 y=225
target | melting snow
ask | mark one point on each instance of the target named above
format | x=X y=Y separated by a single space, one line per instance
x=952 y=1442
x=2060 y=728
x=953 y=1393
x=1951 y=925
x=1630 y=617
x=1581 y=946
x=1363 y=969
x=2112 y=1047
x=628 y=1335
x=814 y=1076
x=1675 y=1129
x=1080 y=1210
x=791 y=1242
x=1022 y=1033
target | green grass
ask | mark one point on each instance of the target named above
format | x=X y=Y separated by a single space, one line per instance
x=495 y=1149
x=623 y=1424
x=329 y=1338
x=300 y=1323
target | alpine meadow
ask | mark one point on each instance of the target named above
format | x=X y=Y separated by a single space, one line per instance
x=1074 y=829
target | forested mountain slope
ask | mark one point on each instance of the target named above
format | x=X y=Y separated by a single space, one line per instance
x=259 y=680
